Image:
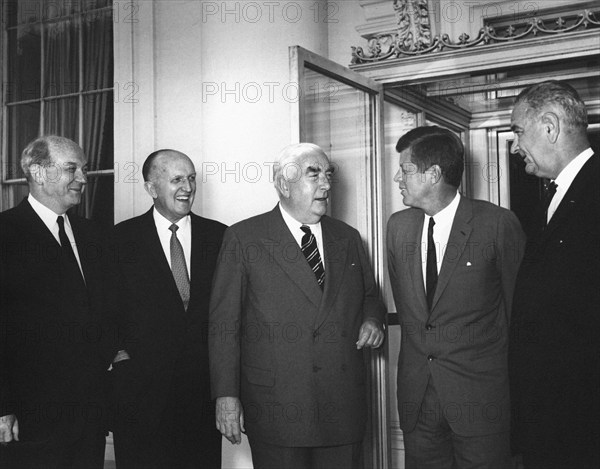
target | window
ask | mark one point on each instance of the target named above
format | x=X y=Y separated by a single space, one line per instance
x=58 y=79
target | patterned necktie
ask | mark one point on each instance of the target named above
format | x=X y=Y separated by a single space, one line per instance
x=67 y=249
x=431 y=271
x=178 y=267
x=311 y=252
x=549 y=191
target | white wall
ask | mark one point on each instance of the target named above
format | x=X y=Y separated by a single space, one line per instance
x=210 y=80
x=247 y=99
x=342 y=18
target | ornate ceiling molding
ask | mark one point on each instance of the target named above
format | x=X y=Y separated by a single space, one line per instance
x=414 y=31
x=413 y=36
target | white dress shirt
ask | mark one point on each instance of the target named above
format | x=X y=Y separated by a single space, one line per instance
x=184 y=235
x=294 y=226
x=49 y=218
x=441 y=233
x=565 y=179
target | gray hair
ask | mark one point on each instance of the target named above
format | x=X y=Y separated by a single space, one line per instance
x=563 y=95
x=289 y=156
x=39 y=151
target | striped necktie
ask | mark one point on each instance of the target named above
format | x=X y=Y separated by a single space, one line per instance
x=311 y=252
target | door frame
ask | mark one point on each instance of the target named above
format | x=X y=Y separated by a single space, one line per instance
x=378 y=451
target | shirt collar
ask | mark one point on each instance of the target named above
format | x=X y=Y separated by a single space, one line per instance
x=446 y=215
x=294 y=225
x=163 y=224
x=47 y=215
x=569 y=172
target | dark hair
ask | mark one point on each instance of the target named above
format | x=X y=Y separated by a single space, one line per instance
x=540 y=95
x=433 y=145
x=147 y=167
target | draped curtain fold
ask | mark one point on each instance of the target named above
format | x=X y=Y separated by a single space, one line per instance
x=97 y=56
x=62 y=76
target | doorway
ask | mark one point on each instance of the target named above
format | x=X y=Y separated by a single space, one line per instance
x=360 y=117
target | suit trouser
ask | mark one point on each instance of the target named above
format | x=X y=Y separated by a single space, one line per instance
x=183 y=436
x=170 y=446
x=85 y=452
x=267 y=456
x=557 y=445
x=433 y=445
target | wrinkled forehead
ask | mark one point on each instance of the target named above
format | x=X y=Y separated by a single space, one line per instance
x=67 y=153
x=522 y=112
x=314 y=160
x=174 y=163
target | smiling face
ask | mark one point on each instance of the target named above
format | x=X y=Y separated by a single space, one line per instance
x=305 y=186
x=60 y=184
x=531 y=142
x=413 y=184
x=172 y=185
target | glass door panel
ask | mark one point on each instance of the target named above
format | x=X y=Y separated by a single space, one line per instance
x=340 y=119
x=340 y=111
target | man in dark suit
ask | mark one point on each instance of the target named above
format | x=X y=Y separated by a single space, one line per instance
x=294 y=301
x=453 y=263
x=554 y=354
x=165 y=417
x=56 y=340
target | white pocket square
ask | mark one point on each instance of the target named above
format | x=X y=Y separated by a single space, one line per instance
x=468 y=264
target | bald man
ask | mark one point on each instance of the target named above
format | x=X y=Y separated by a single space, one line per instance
x=165 y=417
x=56 y=283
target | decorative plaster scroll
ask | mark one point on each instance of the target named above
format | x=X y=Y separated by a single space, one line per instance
x=413 y=24
x=413 y=38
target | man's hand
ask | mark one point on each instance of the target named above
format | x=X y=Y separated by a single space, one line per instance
x=120 y=356
x=230 y=418
x=9 y=428
x=371 y=334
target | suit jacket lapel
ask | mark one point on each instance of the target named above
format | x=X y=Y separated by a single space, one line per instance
x=200 y=274
x=459 y=235
x=38 y=229
x=573 y=196
x=289 y=257
x=152 y=251
x=415 y=262
x=35 y=225
x=336 y=259
x=84 y=250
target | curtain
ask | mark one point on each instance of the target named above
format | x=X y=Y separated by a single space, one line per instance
x=97 y=107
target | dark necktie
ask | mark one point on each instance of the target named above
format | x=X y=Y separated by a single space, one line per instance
x=178 y=267
x=431 y=270
x=67 y=250
x=549 y=191
x=311 y=252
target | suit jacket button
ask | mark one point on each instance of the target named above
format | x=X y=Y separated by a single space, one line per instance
x=428 y=327
x=430 y=358
x=316 y=368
